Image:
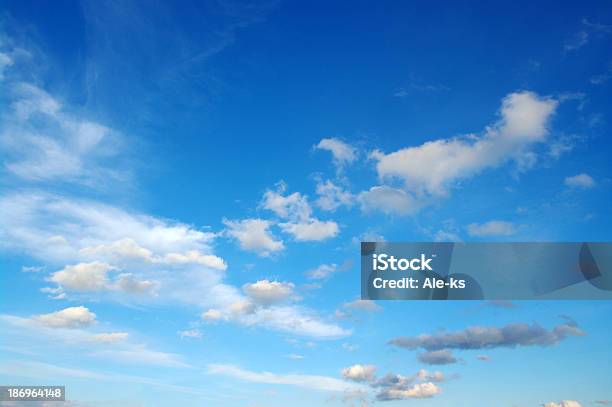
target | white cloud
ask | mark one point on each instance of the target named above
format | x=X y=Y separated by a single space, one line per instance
x=191 y=333
x=128 y=283
x=112 y=337
x=94 y=277
x=72 y=317
x=563 y=403
x=343 y=154
x=434 y=166
x=80 y=229
x=311 y=230
x=491 y=228
x=195 y=257
x=360 y=373
x=265 y=292
x=322 y=272
x=125 y=248
x=83 y=276
x=254 y=235
x=331 y=196
x=212 y=315
x=312 y=382
x=43 y=142
x=582 y=180
x=416 y=391
x=388 y=200
x=296 y=209
x=294 y=206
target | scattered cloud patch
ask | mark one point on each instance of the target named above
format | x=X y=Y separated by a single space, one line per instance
x=491 y=228
x=71 y=317
x=582 y=180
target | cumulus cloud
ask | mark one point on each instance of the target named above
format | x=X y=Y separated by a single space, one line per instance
x=389 y=200
x=94 y=277
x=311 y=230
x=342 y=153
x=292 y=206
x=434 y=166
x=491 y=228
x=332 y=196
x=563 y=403
x=416 y=391
x=254 y=235
x=71 y=317
x=312 y=382
x=509 y=336
x=360 y=373
x=295 y=209
x=437 y=357
x=582 y=180
x=83 y=276
x=265 y=292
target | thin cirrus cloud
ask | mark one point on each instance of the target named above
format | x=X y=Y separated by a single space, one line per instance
x=312 y=382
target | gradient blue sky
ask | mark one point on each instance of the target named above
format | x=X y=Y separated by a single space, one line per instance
x=184 y=187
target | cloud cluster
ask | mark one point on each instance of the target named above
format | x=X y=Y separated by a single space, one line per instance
x=438 y=346
x=269 y=303
x=395 y=386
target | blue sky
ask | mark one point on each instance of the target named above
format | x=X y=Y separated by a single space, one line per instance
x=184 y=187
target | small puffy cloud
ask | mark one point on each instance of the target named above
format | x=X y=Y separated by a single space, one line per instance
x=342 y=152
x=362 y=305
x=83 y=276
x=563 y=403
x=437 y=357
x=416 y=391
x=582 y=180
x=434 y=166
x=483 y=358
x=295 y=356
x=360 y=373
x=265 y=292
x=254 y=235
x=491 y=228
x=311 y=230
x=112 y=337
x=191 y=333
x=389 y=200
x=71 y=317
x=332 y=196
x=294 y=206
